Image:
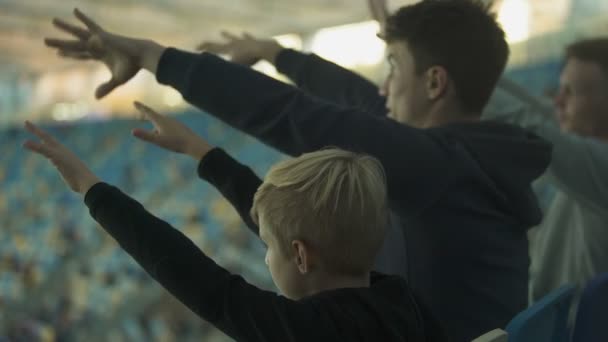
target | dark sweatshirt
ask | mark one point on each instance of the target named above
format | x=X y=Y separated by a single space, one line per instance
x=462 y=191
x=385 y=311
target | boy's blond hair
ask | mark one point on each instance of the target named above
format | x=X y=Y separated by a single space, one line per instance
x=333 y=200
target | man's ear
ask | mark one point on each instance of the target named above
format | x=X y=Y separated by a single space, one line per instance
x=302 y=256
x=436 y=82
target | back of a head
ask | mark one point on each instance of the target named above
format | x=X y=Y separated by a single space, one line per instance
x=594 y=50
x=333 y=200
x=463 y=36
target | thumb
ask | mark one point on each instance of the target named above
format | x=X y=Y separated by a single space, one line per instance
x=148 y=112
x=107 y=87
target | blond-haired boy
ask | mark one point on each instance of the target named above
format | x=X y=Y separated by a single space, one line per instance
x=322 y=216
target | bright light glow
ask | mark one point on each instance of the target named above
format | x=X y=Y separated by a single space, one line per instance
x=514 y=16
x=266 y=68
x=172 y=97
x=69 y=111
x=291 y=41
x=350 y=45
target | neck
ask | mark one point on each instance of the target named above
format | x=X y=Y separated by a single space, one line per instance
x=325 y=282
x=444 y=114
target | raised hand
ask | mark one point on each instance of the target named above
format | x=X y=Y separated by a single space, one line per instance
x=122 y=55
x=246 y=50
x=171 y=134
x=379 y=12
x=74 y=172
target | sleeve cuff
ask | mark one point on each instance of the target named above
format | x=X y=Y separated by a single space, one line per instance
x=289 y=60
x=91 y=198
x=174 y=66
x=213 y=162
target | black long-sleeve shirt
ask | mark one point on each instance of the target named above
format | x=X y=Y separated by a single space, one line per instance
x=385 y=311
x=462 y=191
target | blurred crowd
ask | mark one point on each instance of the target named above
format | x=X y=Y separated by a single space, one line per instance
x=64 y=279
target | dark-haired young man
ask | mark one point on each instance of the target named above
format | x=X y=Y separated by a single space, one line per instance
x=460 y=187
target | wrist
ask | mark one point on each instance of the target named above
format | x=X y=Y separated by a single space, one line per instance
x=198 y=149
x=88 y=183
x=150 y=53
x=271 y=50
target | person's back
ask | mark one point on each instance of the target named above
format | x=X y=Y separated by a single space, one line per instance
x=473 y=257
x=391 y=313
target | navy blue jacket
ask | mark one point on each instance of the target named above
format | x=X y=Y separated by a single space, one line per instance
x=462 y=191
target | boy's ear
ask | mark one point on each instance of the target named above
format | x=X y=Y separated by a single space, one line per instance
x=302 y=256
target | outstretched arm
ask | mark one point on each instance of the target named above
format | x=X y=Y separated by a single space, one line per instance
x=578 y=164
x=239 y=309
x=235 y=181
x=331 y=82
x=309 y=72
x=280 y=115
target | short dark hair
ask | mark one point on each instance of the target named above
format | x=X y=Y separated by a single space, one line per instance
x=460 y=35
x=590 y=50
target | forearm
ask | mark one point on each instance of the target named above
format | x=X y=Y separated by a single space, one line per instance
x=164 y=252
x=236 y=182
x=149 y=54
x=271 y=49
x=198 y=149
x=512 y=104
x=329 y=81
x=522 y=95
x=577 y=166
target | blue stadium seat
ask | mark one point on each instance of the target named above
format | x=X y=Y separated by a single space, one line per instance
x=544 y=321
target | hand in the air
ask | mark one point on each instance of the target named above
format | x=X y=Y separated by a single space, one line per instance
x=122 y=55
x=246 y=50
x=379 y=12
x=171 y=134
x=74 y=172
